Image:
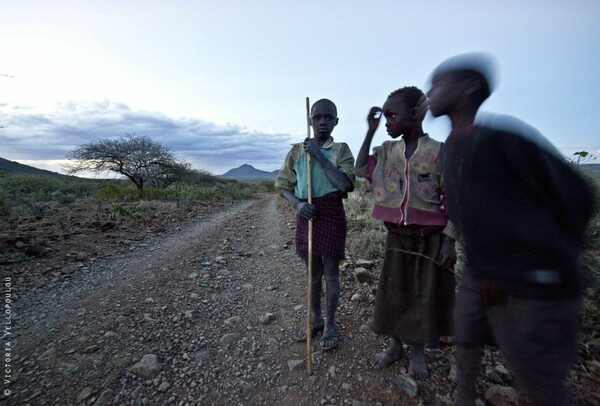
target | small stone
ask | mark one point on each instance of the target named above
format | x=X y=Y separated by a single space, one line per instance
x=246 y=387
x=136 y=392
x=204 y=355
x=147 y=367
x=364 y=328
x=408 y=385
x=90 y=349
x=233 y=320
x=69 y=270
x=331 y=371
x=267 y=318
x=84 y=394
x=344 y=265
x=231 y=338
x=502 y=372
x=501 y=396
x=356 y=297
x=105 y=398
x=164 y=386
x=492 y=375
x=362 y=275
x=364 y=263
x=294 y=364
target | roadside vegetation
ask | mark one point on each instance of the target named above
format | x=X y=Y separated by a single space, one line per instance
x=23 y=195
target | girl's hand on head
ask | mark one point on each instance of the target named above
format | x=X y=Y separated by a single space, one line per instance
x=374 y=117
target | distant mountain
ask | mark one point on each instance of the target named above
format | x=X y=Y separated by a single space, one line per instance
x=248 y=173
x=15 y=167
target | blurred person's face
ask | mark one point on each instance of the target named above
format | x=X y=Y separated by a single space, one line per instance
x=443 y=95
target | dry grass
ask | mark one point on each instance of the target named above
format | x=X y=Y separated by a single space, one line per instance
x=366 y=236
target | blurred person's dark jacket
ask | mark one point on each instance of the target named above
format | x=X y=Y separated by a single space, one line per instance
x=520 y=208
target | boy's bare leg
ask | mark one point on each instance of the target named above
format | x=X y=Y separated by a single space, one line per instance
x=390 y=355
x=417 y=367
x=467 y=363
x=317 y=286
x=332 y=297
x=315 y=301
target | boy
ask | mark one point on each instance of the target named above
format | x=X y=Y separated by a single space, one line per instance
x=332 y=173
x=521 y=210
x=415 y=295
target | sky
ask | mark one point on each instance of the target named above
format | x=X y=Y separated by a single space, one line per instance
x=224 y=82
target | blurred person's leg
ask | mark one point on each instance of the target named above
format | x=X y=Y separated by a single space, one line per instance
x=469 y=325
x=539 y=341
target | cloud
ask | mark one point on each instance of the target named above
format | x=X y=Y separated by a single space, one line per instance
x=28 y=134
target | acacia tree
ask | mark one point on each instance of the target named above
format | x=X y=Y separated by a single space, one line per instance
x=141 y=159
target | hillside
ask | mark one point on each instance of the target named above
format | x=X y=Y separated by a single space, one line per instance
x=248 y=173
x=15 y=167
x=595 y=168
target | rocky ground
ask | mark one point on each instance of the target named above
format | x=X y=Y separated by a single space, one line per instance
x=200 y=308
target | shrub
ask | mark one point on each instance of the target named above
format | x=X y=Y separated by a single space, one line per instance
x=366 y=235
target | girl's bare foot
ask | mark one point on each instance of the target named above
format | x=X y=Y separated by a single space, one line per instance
x=390 y=355
x=417 y=367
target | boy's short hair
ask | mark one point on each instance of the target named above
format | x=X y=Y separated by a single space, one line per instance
x=413 y=97
x=324 y=101
x=473 y=65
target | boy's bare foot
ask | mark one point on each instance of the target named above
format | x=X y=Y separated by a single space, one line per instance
x=385 y=358
x=416 y=366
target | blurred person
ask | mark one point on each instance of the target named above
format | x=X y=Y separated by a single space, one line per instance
x=415 y=295
x=332 y=174
x=521 y=211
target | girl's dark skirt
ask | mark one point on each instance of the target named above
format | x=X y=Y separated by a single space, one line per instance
x=415 y=298
x=329 y=230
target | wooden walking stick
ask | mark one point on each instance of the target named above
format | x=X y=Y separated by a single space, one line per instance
x=309 y=263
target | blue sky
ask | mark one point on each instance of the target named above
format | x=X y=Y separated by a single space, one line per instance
x=222 y=83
